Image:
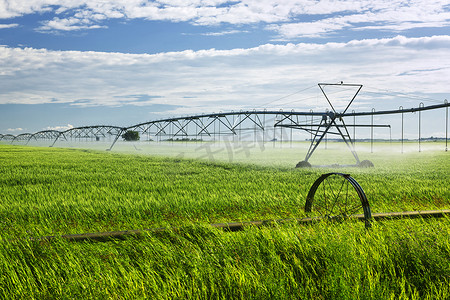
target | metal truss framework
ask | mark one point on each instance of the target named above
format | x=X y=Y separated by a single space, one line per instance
x=7 y=137
x=45 y=135
x=231 y=124
x=41 y=135
x=96 y=132
x=234 y=124
x=22 y=137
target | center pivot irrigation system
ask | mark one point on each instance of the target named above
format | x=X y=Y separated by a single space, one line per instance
x=233 y=124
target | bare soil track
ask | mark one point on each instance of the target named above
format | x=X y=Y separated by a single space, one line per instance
x=237 y=226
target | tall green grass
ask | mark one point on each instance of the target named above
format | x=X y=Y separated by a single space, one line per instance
x=49 y=191
x=397 y=260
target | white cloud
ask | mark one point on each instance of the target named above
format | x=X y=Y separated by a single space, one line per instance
x=4 y=26
x=213 y=80
x=308 y=29
x=14 y=129
x=68 y=24
x=60 y=128
x=226 y=32
x=396 y=17
x=288 y=18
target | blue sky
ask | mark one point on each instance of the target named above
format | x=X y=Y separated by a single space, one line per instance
x=78 y=62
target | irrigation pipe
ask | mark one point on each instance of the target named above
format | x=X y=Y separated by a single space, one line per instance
x=237 y=226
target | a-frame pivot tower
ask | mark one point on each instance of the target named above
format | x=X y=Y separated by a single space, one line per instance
x=332 y=123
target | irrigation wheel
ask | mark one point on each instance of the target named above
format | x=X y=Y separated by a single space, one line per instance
x=337 y=196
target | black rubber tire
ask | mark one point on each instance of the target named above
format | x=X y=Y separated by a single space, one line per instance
x=337 y=206
x=366 y=164
x=303 y=164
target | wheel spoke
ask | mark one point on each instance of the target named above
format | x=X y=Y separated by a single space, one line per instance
x=324 y=201
x=337 y=197
x=354 y=209
x=346 y=194
x=319 y=210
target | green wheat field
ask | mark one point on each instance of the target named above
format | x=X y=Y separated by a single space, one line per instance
x=56 y=191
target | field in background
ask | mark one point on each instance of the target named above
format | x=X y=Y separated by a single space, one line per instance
x=53 y=191
x=267 y=153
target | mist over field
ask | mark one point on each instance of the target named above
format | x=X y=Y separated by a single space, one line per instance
x=267 y=153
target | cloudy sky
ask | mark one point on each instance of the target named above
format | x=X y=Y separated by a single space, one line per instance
x=121 y=62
